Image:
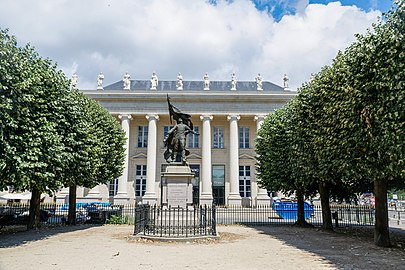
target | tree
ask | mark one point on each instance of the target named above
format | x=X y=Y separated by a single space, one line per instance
x=376 y=63
x=309 y=107
x=51 y=136
x=280 y=147
x=82 y=149
x=95 y=142
x=359 y=114
x=31 y=88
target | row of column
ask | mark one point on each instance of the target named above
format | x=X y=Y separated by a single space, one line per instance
x=206 y=166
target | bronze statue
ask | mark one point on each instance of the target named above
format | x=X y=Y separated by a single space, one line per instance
x=175 y=140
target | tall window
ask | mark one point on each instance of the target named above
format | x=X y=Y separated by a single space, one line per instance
x=218 y=137
x=244 y=181
x=193 y=139
x=196 y=183
x=143 y=136
x=140 y=180
x=113 y=188
x=244 y=137
x=218 y=184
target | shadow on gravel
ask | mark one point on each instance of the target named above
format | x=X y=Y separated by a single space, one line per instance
x=346 y=248
x=18 y=235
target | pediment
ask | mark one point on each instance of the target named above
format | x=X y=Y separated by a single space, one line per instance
x=193 y=156
x=246 y=156
x=139 y=156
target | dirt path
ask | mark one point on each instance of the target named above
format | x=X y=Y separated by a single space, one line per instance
x=109 y=247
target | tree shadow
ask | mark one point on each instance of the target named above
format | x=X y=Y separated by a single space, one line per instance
x=18 y=235
x=346 y=248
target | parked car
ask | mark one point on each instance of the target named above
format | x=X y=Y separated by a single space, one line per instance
x=9 y=216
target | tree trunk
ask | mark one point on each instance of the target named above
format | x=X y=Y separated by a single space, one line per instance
x=381 y=229
x=35 y=203
x=72 y=205
x=326 y=213
x=301 y=211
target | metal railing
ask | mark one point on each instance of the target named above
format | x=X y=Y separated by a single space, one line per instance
x=175 y=222
x=342 y=215
x=353 y=215
x=200 y=220
x=57 y=214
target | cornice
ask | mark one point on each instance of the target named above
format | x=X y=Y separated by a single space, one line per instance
x=119 y=96
x=214 y=103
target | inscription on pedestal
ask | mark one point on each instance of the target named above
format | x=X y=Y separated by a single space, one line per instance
x=177 y=195
x=177 y=185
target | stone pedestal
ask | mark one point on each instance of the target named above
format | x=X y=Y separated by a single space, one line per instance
x=206 y=200
x=234 y=199
x=177 y=186
x=93 y=195
x=263 y=199
x=121 y=200
x=151 y=200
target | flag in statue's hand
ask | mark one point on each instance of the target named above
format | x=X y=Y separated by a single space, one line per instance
x=176 y=114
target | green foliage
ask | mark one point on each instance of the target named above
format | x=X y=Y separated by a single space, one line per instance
x=270 y=161
x=31 y=143
x=114 y=219
x=110 y=140
x=51 y=136
x=281 y=147
x=360 y=132
x=93 y=143
x=350 y=120
x=399 y=192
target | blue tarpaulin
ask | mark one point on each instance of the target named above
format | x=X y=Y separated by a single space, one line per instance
x=289 y=210
x=86 y=205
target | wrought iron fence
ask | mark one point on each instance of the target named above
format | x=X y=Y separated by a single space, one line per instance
x=350 y=215
x=175 y=222
x=57 y=214
x=342 y=215
x=200 y=220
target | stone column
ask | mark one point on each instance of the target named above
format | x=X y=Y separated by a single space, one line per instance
x=122 y=193
x=234 y=197
x=206 y=166
x=262 y=197
x=150 y=196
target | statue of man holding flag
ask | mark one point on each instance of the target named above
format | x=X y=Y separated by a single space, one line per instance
x=175 y=140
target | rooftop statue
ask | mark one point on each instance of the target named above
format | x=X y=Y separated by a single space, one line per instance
x=286 y=80
x=154 y=81
x=100 y=80
x=175 y=141
x=73 y=81
x=233 y=81
x=127 y=81
x=259 y=82
x=179 y=82
x=206 y=82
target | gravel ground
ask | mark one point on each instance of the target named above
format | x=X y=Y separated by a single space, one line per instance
x=239 y=247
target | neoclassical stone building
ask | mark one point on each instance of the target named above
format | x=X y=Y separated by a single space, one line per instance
x=226 y=114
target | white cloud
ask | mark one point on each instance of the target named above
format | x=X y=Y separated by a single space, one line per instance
x=191 y=37
x=302 y=44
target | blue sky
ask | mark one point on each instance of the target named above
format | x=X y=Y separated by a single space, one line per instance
x=195 y=37
x=383 y=5
x=279 y=8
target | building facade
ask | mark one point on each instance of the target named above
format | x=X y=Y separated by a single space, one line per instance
x=227 y=115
